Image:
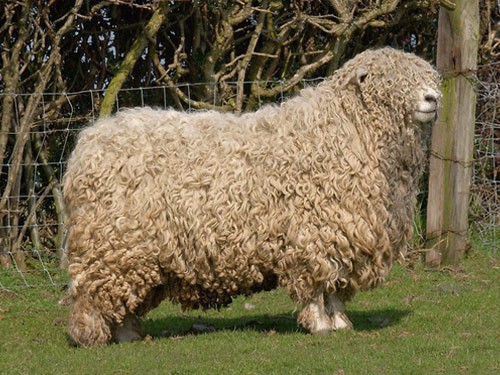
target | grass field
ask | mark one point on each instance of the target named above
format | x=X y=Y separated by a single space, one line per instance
x=420 y=322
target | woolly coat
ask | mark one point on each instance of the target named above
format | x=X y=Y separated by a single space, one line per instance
x=315 y=195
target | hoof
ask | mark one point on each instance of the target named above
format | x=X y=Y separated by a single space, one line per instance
x=341 y=321
x=322 y=328
x=315 y=320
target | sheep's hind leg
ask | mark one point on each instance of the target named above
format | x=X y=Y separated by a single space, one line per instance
x=314 y=318
x=130 y=329
x=336 y=311
x=87 y=326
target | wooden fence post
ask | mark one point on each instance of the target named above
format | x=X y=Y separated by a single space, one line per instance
x=453 y=135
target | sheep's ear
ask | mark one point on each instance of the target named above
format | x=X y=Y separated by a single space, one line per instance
x=357 y=77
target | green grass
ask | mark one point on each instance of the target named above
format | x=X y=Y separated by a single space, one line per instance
x=421 y=322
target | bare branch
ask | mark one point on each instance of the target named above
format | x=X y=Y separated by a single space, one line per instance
x=165 y=77
x=32 y=104
x=17 y=244
x=258 y=90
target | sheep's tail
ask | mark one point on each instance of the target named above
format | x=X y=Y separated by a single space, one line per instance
x=87 y=326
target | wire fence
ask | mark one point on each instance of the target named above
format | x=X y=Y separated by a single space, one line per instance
x=484 y=212
x=32 y=233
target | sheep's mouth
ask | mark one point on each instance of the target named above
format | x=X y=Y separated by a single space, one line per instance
x=427 y=106
x=425 y=116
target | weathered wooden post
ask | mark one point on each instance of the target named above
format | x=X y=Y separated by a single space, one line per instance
x=452 y=138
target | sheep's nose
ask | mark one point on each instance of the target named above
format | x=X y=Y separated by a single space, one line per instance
x=431 y=96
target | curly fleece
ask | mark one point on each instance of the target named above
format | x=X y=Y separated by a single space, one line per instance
x=317 y=193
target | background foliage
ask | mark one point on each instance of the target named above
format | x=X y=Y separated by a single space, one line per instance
x=57 y=56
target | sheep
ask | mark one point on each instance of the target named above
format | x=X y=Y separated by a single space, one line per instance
x=315 y=195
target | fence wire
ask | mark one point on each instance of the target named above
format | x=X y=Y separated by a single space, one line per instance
x=485 y=192
x=32 y=233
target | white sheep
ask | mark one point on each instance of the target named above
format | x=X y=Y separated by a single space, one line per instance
x=315 y=195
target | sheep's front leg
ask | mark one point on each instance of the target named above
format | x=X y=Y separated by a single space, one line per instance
x=336 y=311
x=129 y=330
x=314 y=318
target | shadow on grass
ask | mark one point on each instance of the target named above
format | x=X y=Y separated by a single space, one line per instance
x=179 y=326
x=374 y=320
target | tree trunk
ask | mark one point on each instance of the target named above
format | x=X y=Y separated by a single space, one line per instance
x=453 y=135
x=60 y=207
x=31 y=194
x=131 y=58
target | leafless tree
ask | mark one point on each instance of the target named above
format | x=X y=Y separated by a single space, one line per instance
x=247 y=51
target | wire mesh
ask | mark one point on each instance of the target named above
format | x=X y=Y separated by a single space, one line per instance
x=32 y=233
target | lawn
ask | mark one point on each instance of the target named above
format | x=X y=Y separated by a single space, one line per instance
x=420 y=322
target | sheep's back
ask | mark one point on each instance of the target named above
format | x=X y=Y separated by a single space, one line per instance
x=182 y=184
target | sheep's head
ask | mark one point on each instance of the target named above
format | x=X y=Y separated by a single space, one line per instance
x=394 y=83
x=427 y=106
